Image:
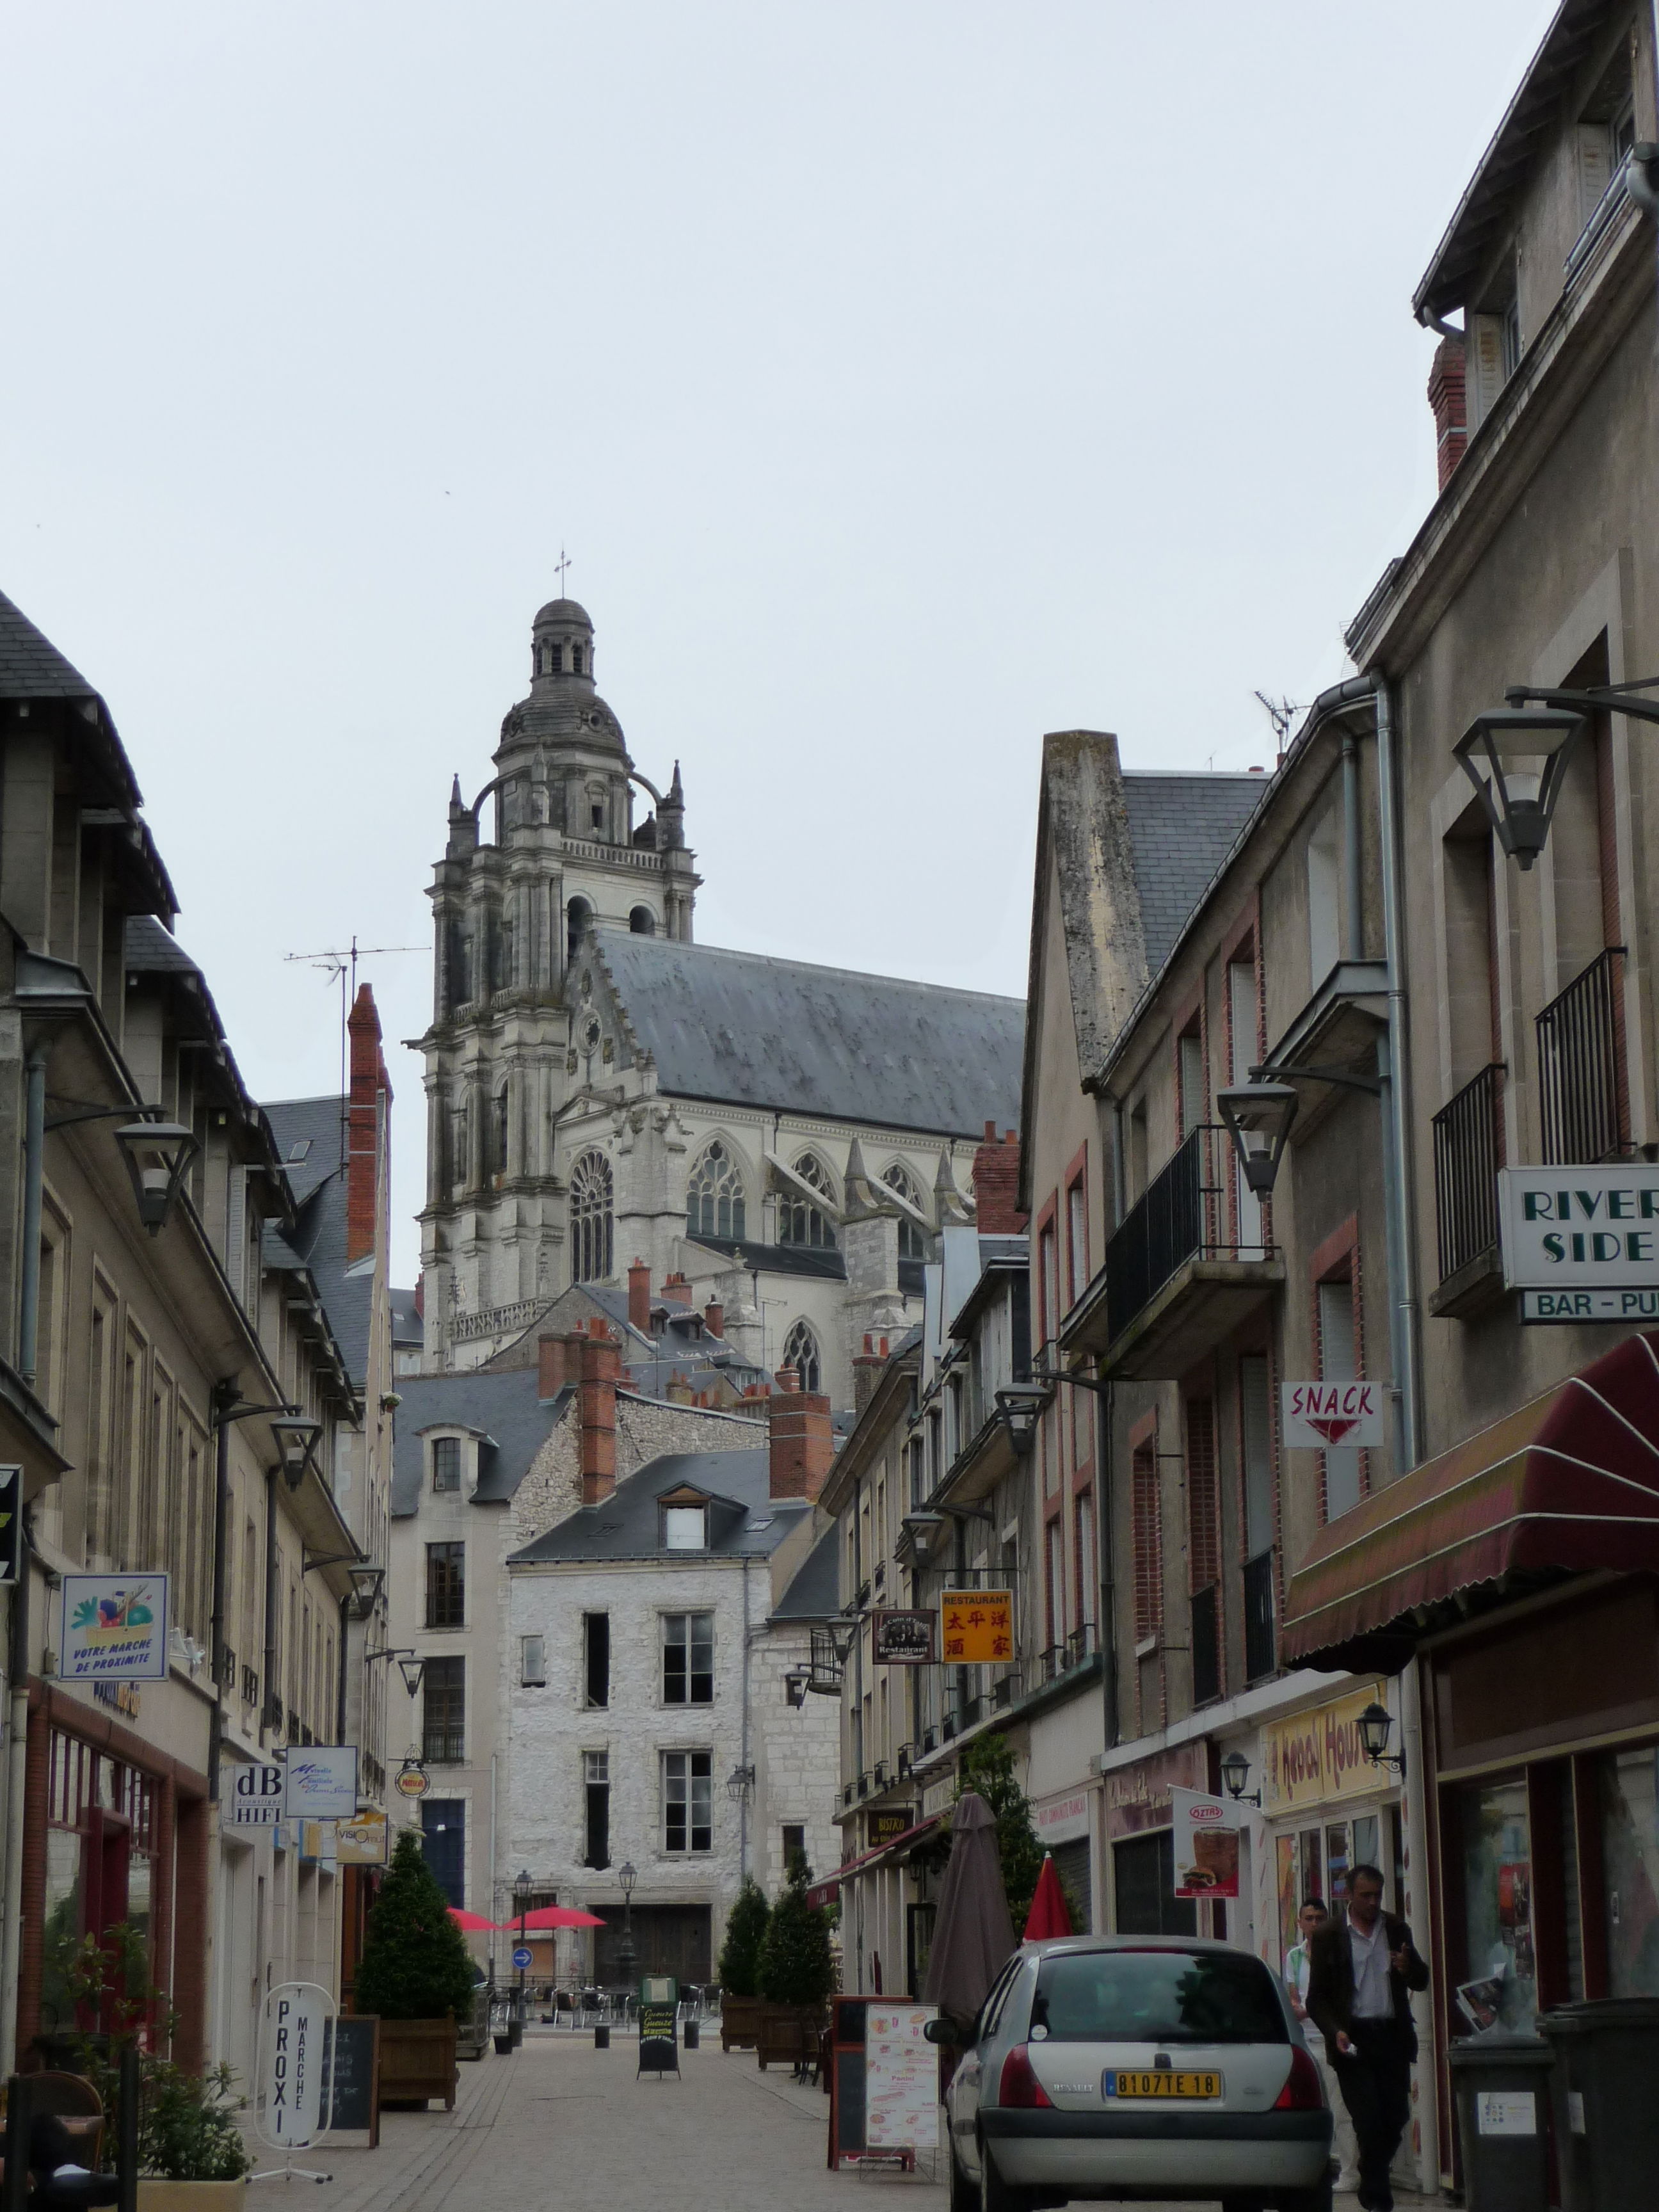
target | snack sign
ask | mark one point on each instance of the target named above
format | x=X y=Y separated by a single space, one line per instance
x=1322 y=1415
x=978 y=1627
x=115 y=1628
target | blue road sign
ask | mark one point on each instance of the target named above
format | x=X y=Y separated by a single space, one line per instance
x=523 y=1956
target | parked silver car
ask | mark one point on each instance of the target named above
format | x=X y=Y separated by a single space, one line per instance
x=1134 y=2068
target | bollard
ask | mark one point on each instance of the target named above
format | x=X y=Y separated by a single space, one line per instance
x=20 y=2109
x=602 y=2037
x=690 y=2034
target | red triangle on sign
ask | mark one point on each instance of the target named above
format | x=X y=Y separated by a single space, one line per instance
x=1333 y=1426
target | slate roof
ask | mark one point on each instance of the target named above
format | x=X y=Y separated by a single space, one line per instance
x=755 y=1031
x=815 y=1592
x=317 y=1240
x=407 y=1327
x=149 y=948
x=505 y=1406
x=745 y=1521
x=825 y=1263
x=1181 y=827
x=30 y=667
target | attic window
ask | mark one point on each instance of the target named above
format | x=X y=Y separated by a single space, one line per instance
x=298 y=1149
x=685 y=1528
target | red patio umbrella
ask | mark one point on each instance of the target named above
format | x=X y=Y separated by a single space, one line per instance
x=1049 y=1914
x=556 y=1916
x=471 y=1922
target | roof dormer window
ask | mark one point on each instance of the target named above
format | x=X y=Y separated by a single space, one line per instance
x=445 y=1463
x=685 y=1528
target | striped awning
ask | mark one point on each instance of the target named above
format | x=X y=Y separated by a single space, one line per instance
x=1568 y=1481
x=823 y=1893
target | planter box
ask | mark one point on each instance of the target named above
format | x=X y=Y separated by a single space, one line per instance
x=418 y=2062
x=788 y=2035
x=192 y=2195
x=740 y=2022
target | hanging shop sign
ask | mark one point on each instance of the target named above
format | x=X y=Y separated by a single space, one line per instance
x=256 y=1797
x=978 y=1627
x=320 y=1782
x=1579 y=1228
x=1315 y=1756
x=115 y=1627
x=904 y=1639
x=11 y=1524
x=361 y=1840
x=412 y=1779
x=887 y=1827
x=1322 y=1415
x=1206 y=1853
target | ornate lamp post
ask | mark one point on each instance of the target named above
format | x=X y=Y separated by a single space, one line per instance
x=627 y=1876
x=521 y=1889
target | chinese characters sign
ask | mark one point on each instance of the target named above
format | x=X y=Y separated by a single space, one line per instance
x=115 y=1626
x=977 y=1627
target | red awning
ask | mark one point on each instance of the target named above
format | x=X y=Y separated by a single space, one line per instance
x=1569 y=1480
x=823 y=1893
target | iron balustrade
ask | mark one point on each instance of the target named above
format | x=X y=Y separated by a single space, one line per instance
x=1581 y=1067
x=1207 y=1645
x=1468 y=1151
x=1260 y=1652
x=1183 y=1214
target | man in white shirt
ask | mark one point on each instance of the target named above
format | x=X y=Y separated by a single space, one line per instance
x=1312 y=1917
x=1361 y=1972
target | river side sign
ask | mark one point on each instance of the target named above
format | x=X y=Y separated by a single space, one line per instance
x=1580 y=1229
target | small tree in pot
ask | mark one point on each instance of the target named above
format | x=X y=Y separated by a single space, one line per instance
x=739 y=1966
x=797 y=1969
x=416 y=1973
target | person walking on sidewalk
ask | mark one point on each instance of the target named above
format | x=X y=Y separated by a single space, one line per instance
x=1361 y=1971
x=1297 y=1963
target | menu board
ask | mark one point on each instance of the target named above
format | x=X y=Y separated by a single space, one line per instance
x=900 y=2078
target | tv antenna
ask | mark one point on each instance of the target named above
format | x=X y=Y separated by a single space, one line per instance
x=341 y=967
x=1281 y=712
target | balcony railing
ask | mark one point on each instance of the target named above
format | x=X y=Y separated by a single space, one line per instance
x=1183 y=1214
x=1260 y=1652
x=1207 y=1645
x=1581 y=1067
x=1468 y=1151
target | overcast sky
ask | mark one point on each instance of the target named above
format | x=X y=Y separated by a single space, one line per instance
x=903 y=380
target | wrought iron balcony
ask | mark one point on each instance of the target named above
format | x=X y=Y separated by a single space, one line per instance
x=1581 y=1067
x=1468 y=1151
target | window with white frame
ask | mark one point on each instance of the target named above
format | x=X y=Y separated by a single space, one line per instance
x=714 y=1203
x=685 y=1528
x=445 y=1462
x=688 y=1801
x=688 y=1658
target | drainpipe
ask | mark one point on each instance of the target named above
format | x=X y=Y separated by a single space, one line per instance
x=34 y=1148
x=1405 y=1336
x=224 y=1397
x=1354 y=933
x=273 y=1594
x=742 y=1801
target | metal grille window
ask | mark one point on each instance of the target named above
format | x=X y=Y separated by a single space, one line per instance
x=688 y=1658
x=444 y=1711
x=445 y=1585
x=445 y=1463
x=688 y=1801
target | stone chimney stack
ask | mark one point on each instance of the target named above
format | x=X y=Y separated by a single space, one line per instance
x=996 y=1185
x=365 y=1121
x=713 y=1317
x=639 y=1297
x=803 y=1442
x=1447 y=397
x=601 y=1368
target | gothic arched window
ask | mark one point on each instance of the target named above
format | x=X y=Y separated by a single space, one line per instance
x=590 y=1218
x=800 y=1222
x=912 y=1238
x=498 y=1131
x=800 y=1352
x=460 y=1169
x=713 y=1198
x=577 y=915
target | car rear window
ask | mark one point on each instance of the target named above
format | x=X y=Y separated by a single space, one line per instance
x=1158 y=1996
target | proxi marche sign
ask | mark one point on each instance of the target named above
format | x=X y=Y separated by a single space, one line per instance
x=292 y=2034
x=1321 y=1416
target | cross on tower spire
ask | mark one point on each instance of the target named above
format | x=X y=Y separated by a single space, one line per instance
x=559 y=568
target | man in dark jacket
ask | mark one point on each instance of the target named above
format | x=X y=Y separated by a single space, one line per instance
x=1360 y=1971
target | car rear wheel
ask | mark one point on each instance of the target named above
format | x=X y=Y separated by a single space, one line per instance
x=996 y=2195
x=964 y=2197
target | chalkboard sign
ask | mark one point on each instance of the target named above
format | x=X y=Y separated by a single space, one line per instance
x=846 y=2079
x=658 y=2040
x=351 y=2069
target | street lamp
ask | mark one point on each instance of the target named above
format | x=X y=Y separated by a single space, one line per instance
x=1258 y=1116
x=740 y=1784
x=297 y=1438
x=1234 y=1773
x=157 y=1154
x=1517 y=758
x=796 y=1684
x=521 y=1889
x=627 y=1875
x=924 y=1530
x=1376 y=1725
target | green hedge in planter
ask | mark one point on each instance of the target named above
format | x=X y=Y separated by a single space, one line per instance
x=796 y=1966
x=745 y=1932
x=416 y=1965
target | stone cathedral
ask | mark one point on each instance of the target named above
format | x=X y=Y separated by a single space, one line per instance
x=779 y=1144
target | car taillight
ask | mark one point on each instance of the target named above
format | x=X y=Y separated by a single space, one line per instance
x=1304 y=2091
x=1019 y=2085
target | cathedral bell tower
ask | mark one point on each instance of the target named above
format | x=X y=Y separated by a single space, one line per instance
x=548 y=849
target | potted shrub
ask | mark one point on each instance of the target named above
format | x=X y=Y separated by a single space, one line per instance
x=797 y=1974
x=191 y=2156
x=739 y=1968
x=417 y=1974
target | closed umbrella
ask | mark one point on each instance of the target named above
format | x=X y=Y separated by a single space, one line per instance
x=973 y=1933
x=1049 y=1915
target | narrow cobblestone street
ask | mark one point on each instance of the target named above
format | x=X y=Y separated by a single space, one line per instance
x=561 y=2123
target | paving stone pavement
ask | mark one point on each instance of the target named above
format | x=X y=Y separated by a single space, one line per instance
x=561 y=2123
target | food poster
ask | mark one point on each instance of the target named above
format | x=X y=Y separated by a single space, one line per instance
x=1206 y=1844
x=900 y=2078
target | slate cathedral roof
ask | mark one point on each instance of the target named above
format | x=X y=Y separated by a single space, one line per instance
x=745 y=1029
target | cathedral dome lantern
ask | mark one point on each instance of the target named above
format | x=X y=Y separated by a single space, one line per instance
x=561 y=644
x=563 y=711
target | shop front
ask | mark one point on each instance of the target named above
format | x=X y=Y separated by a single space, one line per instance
x=1065 y=1824
x=1139 y=1836
x=1326 y=1809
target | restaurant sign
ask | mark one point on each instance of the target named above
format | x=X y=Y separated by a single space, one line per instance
x=887 y=1827
x=978 y=1627
x=1315 y=1756
x=1572 y=1228
x=904 y=1639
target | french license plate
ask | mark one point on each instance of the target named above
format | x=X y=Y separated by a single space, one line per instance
x=1162 y=2084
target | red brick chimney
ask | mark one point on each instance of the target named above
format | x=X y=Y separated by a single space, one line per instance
x=713 y=1317
x=556 y=1364
x=639 y=1297
x=866 y=1370
x=996 y=1185
x=420 y=1294
x=369 y=1085
x=1446 y=397
x=802 y=1441
x=677 y=1286
x=601 y=1366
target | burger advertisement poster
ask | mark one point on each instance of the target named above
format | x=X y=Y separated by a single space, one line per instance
x=1207 y=1852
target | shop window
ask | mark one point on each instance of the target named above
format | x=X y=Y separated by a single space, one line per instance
x=1629 y=1852
x=1072 y=1865
x=1143 y=1876
x=1498 y=1942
